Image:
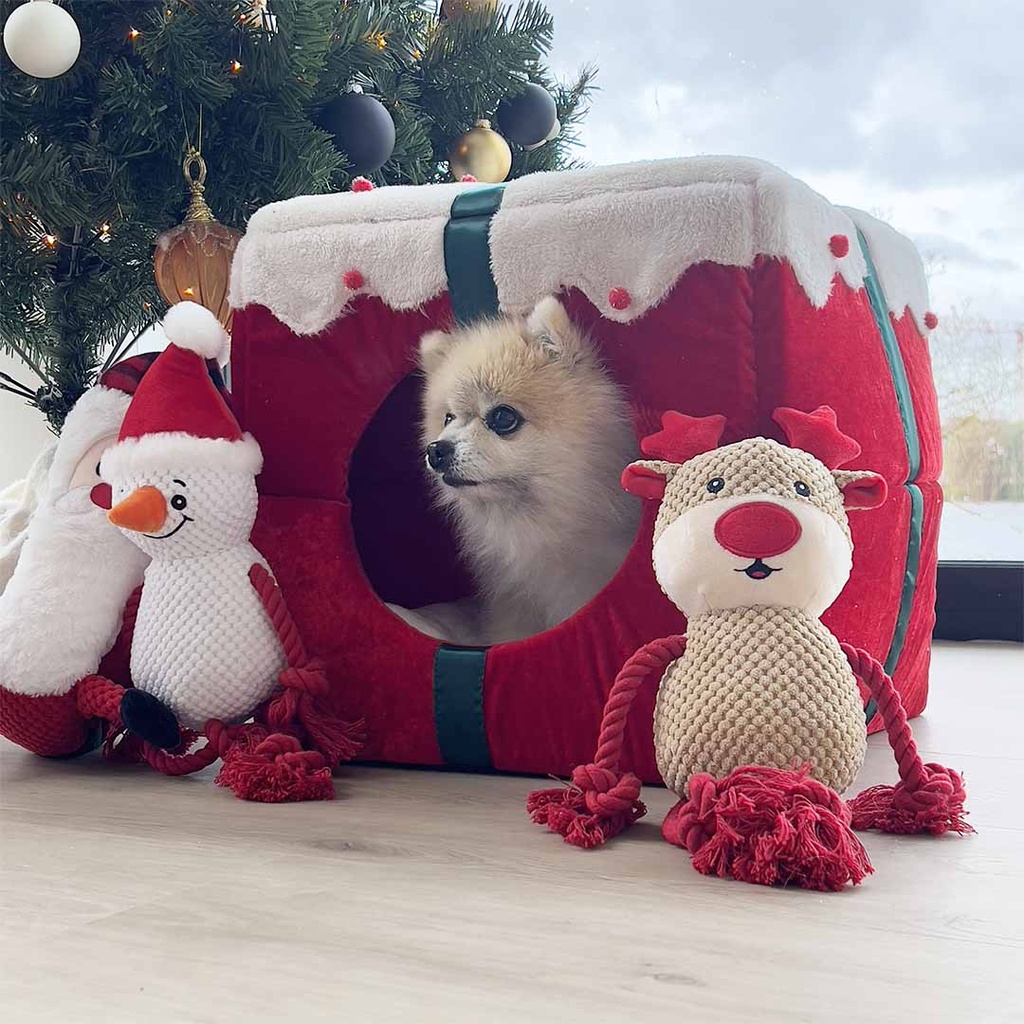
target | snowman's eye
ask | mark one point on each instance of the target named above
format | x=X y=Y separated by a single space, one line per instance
x=178 y=502
x=97 y=469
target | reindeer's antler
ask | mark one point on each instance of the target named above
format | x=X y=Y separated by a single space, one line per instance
x=682 y=437
x=816 y=432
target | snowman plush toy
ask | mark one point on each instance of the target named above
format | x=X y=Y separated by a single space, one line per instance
x=213 y=644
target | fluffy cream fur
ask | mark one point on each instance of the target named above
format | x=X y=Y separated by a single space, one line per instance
x=539 y=514
x=61 y=611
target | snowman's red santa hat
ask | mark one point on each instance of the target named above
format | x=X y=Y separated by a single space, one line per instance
x=178 y=420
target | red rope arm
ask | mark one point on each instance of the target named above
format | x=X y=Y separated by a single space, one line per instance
x=603 y=800
x=928 y=797
x=303 y=702
x=280 y=618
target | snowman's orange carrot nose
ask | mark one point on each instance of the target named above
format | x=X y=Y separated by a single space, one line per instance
x=143 y=511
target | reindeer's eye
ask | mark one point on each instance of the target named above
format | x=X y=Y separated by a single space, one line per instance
x=802 y=489
x=715 y=484
x=449 y=417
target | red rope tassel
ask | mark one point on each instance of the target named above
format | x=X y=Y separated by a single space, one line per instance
x=770 y=826
x=602 y=800
x=928 y=797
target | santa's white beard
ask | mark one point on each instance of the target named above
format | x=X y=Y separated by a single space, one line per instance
x=61 y=611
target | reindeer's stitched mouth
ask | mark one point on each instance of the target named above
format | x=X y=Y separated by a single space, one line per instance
x=758 y=570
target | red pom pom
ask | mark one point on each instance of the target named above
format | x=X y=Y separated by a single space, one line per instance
x=362 y=184
x=840 y=245
x=353 y=280
x=619 y=298
x=468 y=177
x=931 y=321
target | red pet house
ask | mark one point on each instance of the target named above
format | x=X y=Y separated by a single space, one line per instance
x=711 y=285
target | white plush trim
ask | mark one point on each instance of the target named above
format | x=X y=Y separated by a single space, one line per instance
x=179 y=451
x=96 y=415
x=195 y=329
x=61 y=611
x=898 y=265
x=636 y=226
x=295 y=254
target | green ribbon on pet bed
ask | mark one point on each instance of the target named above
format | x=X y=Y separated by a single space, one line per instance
x=904 y=400
x=467 y=254
x=459 y=671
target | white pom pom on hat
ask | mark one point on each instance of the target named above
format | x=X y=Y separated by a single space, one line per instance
x=194 y=328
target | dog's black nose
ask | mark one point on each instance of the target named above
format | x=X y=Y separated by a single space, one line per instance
x=439 y=455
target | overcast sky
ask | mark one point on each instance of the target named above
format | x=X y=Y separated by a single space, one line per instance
x=912 y=110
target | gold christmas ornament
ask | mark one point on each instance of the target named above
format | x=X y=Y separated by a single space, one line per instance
x=481 y=152
x=193 y=260
x=452 y=10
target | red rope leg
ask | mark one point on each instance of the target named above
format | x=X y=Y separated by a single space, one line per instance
x=302 y=706
x=928 y=797
x=602 y=800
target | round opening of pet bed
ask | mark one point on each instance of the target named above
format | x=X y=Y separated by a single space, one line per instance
x=405 y=543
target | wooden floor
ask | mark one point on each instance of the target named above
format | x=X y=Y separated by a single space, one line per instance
x=428 y=897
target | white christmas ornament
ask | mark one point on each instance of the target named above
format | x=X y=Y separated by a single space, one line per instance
x=42 y=39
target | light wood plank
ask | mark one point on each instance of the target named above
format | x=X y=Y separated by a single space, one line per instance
x=424 y=896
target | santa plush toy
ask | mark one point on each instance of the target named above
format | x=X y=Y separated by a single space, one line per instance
x=213 y=644
x=65 y=577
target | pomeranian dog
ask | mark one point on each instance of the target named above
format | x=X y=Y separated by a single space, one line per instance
x=525 y=439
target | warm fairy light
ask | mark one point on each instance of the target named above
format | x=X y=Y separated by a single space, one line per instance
x=416 y=54
x=147 y=305
x=133 y=34
x=190 y=292
x=104 y=229
x=381 y=40
x=235 y=67
x=51 y=241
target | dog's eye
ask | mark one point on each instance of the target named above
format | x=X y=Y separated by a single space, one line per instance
x=715 y=484
x=802 y=489
x=178 y=502
x=449 y=417
x=504 y=420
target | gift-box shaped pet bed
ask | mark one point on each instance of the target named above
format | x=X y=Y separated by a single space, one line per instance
x=711 y=285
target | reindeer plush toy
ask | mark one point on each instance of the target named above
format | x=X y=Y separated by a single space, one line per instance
x=759 y=724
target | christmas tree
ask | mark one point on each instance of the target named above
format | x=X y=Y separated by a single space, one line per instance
x=92 y=159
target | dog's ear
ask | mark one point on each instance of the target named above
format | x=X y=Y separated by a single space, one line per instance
x=549 y=325
x=434 y=349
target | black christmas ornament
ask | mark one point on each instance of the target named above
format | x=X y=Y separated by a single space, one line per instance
x=528 y=117
x=362 y=128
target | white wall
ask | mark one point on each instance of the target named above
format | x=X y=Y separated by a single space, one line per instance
x=23 y=430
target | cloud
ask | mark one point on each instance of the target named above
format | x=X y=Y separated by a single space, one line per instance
x=950 y=250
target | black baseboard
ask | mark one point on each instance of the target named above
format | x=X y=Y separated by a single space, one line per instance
x=980 y=601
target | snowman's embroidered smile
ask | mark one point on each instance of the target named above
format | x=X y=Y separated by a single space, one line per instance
x=164 y=536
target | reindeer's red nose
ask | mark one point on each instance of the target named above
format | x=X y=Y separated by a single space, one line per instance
x=757 y=529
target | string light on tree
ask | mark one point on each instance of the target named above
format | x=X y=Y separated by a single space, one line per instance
x=42 y=39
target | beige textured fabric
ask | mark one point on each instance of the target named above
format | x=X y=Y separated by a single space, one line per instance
x=763 y=686
x=758 y=465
